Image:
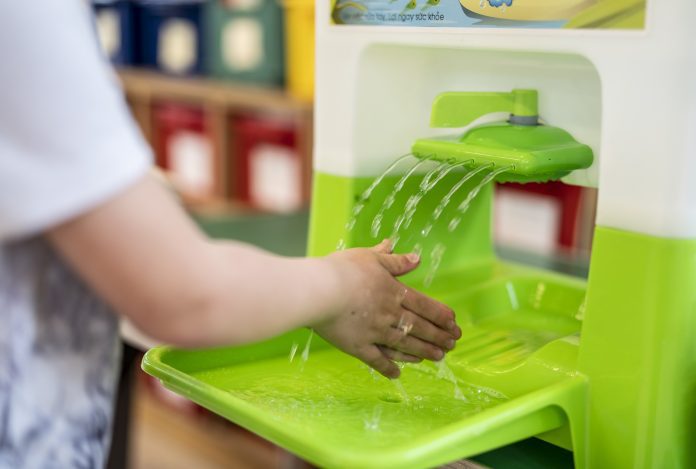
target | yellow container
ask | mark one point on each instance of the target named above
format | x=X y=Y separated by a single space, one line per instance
x=299 y=47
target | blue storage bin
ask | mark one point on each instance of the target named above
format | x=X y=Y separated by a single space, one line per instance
x=115 y=25
x=171 y=34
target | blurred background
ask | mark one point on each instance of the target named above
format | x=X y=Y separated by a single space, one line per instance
x=223 y=91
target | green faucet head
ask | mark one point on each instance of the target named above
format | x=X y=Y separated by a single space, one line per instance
x=531 y=152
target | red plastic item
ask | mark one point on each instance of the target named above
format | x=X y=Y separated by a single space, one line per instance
x=569 y=199
x=269 y=169
x=184 y=149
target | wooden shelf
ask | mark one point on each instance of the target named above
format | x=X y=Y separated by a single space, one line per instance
x=219 y=100
x=151 y=85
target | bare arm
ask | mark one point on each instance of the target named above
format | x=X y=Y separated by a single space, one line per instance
x=144 y=256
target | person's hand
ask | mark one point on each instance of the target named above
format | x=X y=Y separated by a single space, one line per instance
x=380 y=320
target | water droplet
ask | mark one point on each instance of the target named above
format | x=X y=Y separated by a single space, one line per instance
x=372 y=423
x=435 y=261
x=391 y=198
x=364 y=197
x=453 y=224
x=400 y=387
x=293 y=351
x=305 y=352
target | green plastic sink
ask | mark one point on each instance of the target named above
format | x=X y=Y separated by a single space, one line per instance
x=511 y=377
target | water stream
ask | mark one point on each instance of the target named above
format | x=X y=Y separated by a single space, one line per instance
x=389 y=201
x=464 y=206
x=438 y=251
x=430 y=180
x=448 y=198
x=305 y=351
x=365 y=197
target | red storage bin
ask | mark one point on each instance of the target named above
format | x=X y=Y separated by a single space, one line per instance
x=544 y=217
x=184 y=149
x=269 y=168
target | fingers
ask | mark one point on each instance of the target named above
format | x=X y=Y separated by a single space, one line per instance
x=399 y=264
x=410 y=345
x=397 y=356
x=432 y=310
x=420 y=328
x=396 y=264
x=385 y=247
x=373 y=357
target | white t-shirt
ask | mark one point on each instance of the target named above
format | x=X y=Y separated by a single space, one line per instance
x=67 y=144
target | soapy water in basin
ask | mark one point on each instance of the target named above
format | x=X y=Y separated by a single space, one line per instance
x=334 y=397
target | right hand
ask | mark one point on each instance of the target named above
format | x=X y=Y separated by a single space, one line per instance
x=380 y=320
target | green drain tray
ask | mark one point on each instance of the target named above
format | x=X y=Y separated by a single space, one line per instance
x=511 y=377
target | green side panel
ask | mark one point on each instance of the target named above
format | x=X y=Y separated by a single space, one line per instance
x=469 y=245
x=639 y=351
x=219 y=19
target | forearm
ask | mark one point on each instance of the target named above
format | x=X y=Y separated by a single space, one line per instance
x=143 y=255
x=252 y=295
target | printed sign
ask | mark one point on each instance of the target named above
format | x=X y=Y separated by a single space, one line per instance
x=546 y=14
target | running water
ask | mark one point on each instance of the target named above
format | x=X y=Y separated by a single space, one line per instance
x=435 y=260
x=400 y=387
x=372 y=424
x=389 y=201
x=414 y=199
x=432 y=184
x=293 y=351
x=430 y=180
x=305 y=352
x=448 y=198
x=464 y=206
x=365 y=196
x=445 y=372
x=438 y=251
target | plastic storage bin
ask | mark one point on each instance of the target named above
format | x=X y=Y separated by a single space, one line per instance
x=269 y=168
x=115 y=24
x=299 y=43
x=171 y=34
x=184 y=149
x=244 y=40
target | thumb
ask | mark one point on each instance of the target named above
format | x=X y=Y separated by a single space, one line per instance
x=399 y=264
x=385 y=247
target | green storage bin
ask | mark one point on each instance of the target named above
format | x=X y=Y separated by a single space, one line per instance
x=244 y=41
